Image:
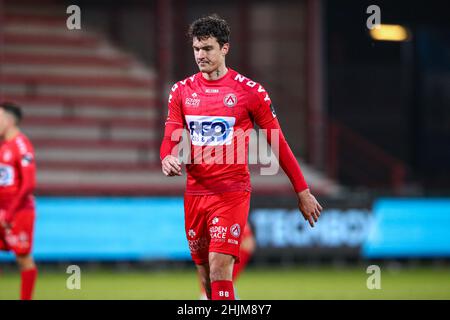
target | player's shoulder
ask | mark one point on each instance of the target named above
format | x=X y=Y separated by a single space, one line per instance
x=22 y=143
x=248 y=85
x=245 y=83
x=185 y=83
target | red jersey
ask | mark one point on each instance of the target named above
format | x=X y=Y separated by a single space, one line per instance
x=212 y=111
x=217 y=114
x=17 y=174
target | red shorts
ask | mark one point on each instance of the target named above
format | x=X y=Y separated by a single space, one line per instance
x=215 y=223
x=19 y=238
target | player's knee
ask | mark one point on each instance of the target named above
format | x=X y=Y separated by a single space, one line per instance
x=25 y=261
x=221 y=267
x=218 y=274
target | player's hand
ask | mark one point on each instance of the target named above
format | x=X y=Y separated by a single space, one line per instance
x=309 y=207
x=171 y=166
x=3 y=221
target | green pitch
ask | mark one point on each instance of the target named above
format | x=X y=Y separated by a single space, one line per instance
x=255 y=283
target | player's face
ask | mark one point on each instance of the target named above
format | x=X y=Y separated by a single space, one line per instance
x=3 y=122
x=6 y=121
x=209 y=56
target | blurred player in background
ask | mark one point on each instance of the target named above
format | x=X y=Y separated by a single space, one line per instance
x=17 y=182
x=247 y=248
x=217 y=106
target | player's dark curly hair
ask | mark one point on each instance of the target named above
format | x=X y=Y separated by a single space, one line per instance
x=12 y=109
x=210 y=26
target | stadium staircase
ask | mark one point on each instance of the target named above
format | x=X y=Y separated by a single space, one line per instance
x=91 y=111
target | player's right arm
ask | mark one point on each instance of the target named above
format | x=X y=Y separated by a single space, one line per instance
x=170 y=165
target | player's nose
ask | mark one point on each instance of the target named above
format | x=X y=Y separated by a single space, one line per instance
x=201 y=54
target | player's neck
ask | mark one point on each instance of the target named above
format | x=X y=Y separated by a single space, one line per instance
x=216 y=74
x=12 y=133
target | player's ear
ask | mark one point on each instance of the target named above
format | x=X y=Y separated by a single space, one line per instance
x=225 y=48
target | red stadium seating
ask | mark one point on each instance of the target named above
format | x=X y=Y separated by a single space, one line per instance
x=91 y=110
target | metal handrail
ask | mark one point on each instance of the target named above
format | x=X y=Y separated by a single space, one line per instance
x=339 y=133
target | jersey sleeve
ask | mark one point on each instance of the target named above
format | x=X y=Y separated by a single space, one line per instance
x=26 y=167
x=174 y=112
x=286 y=157
x=261 y=107
x=173 y=122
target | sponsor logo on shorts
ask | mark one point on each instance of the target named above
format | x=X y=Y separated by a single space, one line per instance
x=235 y=230
x=191 y=233
x=218 y=232
x=232 y=241
x=215 y=220
x=198 y=244
x=20 y=240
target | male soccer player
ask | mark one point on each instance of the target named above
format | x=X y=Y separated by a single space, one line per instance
x=216 y=105
x=17 y=182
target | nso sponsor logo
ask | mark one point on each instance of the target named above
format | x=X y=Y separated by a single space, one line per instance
x=210 y=131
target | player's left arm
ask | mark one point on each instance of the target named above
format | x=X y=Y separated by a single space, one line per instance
x=27 y=171
x=265 y=117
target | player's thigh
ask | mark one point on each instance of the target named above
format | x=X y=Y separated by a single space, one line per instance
x=226 y=222
x=20 y=237
x=195 y=225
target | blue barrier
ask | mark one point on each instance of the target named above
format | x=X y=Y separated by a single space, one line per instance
x=138 y=229
x=409 y=228
x=109 y=229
